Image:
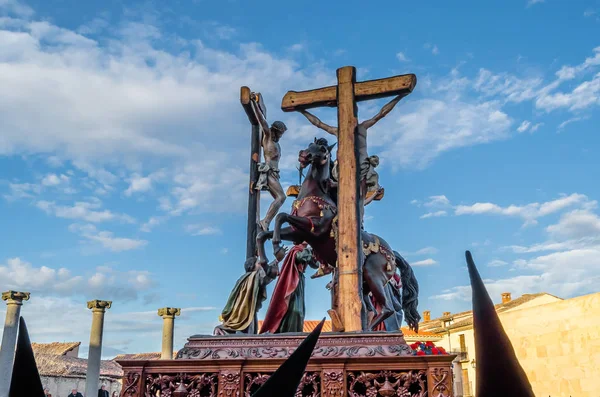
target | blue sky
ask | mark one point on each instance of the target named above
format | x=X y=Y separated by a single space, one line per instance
x=124 y=150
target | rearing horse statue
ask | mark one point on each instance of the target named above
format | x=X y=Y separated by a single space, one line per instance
x=313 y=220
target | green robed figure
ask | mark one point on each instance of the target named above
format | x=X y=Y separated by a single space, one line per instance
x=240 y=314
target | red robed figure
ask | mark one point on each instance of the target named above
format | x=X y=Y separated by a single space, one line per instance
x=287 y=282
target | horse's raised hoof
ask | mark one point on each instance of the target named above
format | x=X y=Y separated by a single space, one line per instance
x=322 y=271
x=385 y=313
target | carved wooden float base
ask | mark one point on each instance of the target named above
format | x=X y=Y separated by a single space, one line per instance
x=343 y=364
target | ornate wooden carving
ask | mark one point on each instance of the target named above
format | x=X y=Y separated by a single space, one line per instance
x=440 y=382
x=229 y=384
x=310 y=385
x=227 y=348
x=252 y=382
x=130 y=384
x=387 y=384
x=370 y=364
x=333 y=383
x=200 y=385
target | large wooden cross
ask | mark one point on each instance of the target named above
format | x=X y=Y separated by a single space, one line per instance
x=255 y=149
x=349 y=252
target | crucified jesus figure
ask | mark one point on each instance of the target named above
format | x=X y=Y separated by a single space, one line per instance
x=363 y=157
x=268 y=177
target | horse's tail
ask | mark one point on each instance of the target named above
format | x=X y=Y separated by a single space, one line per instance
x=410 y=293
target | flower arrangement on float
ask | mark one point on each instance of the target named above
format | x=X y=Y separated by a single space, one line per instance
x=427 y=349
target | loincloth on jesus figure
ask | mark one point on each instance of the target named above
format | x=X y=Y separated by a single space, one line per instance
x=264 y=172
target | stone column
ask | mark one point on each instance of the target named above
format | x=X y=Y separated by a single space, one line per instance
x=14 y=300
x=168 y=314
x=95 y=353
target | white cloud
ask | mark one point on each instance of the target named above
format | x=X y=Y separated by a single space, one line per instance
x=576 y=224
x=107 y=239
x=425 y=262
x=138 y=184
x=437 y=201
x=527 y=126
x=585 y=94
x=581 y=97
x=524 y=126
x=401 y=57
x=140 y=101
x=433 y=214
x=535 y=127
x=569 y=121
x=152 y=222
x=130 y=100
x=427 y=251
x=54 y=180
x=497 y=263
x=19 y=191
x=565 y=274
x=512 y=88
x=16 y=7
x=553 y=245
x=428 y=127
x=572 y=266
x=202 y=230
x=529 y=212
x=88 y=211
x=432 y=47
x=570 y=72
x=589 y=13
x=21 y=275
x=533 y=2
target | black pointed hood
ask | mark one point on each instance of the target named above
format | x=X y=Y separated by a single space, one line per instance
x=498 y=370
x=25 y=377
x=284 y=382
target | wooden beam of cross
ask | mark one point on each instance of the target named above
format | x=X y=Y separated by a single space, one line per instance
x=255 y=149
x=349 y=252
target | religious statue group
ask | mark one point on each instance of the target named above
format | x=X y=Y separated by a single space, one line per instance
x=390 y=290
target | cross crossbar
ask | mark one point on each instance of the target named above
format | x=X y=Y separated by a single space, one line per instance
x=365 y=90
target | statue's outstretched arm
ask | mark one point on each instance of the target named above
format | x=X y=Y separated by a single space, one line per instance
x=261 y=119
x=318 y=123
x=383 y=112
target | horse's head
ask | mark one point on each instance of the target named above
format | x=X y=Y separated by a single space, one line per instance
x=318 y=154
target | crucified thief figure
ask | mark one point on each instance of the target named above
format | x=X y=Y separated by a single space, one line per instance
x=363 y=157
x=268 y=172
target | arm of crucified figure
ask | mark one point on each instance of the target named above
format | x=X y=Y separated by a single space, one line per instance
x=261 y=118
x=318 y=123
x=383 y=112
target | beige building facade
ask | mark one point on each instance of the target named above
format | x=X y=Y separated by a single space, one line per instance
x=557 y=342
